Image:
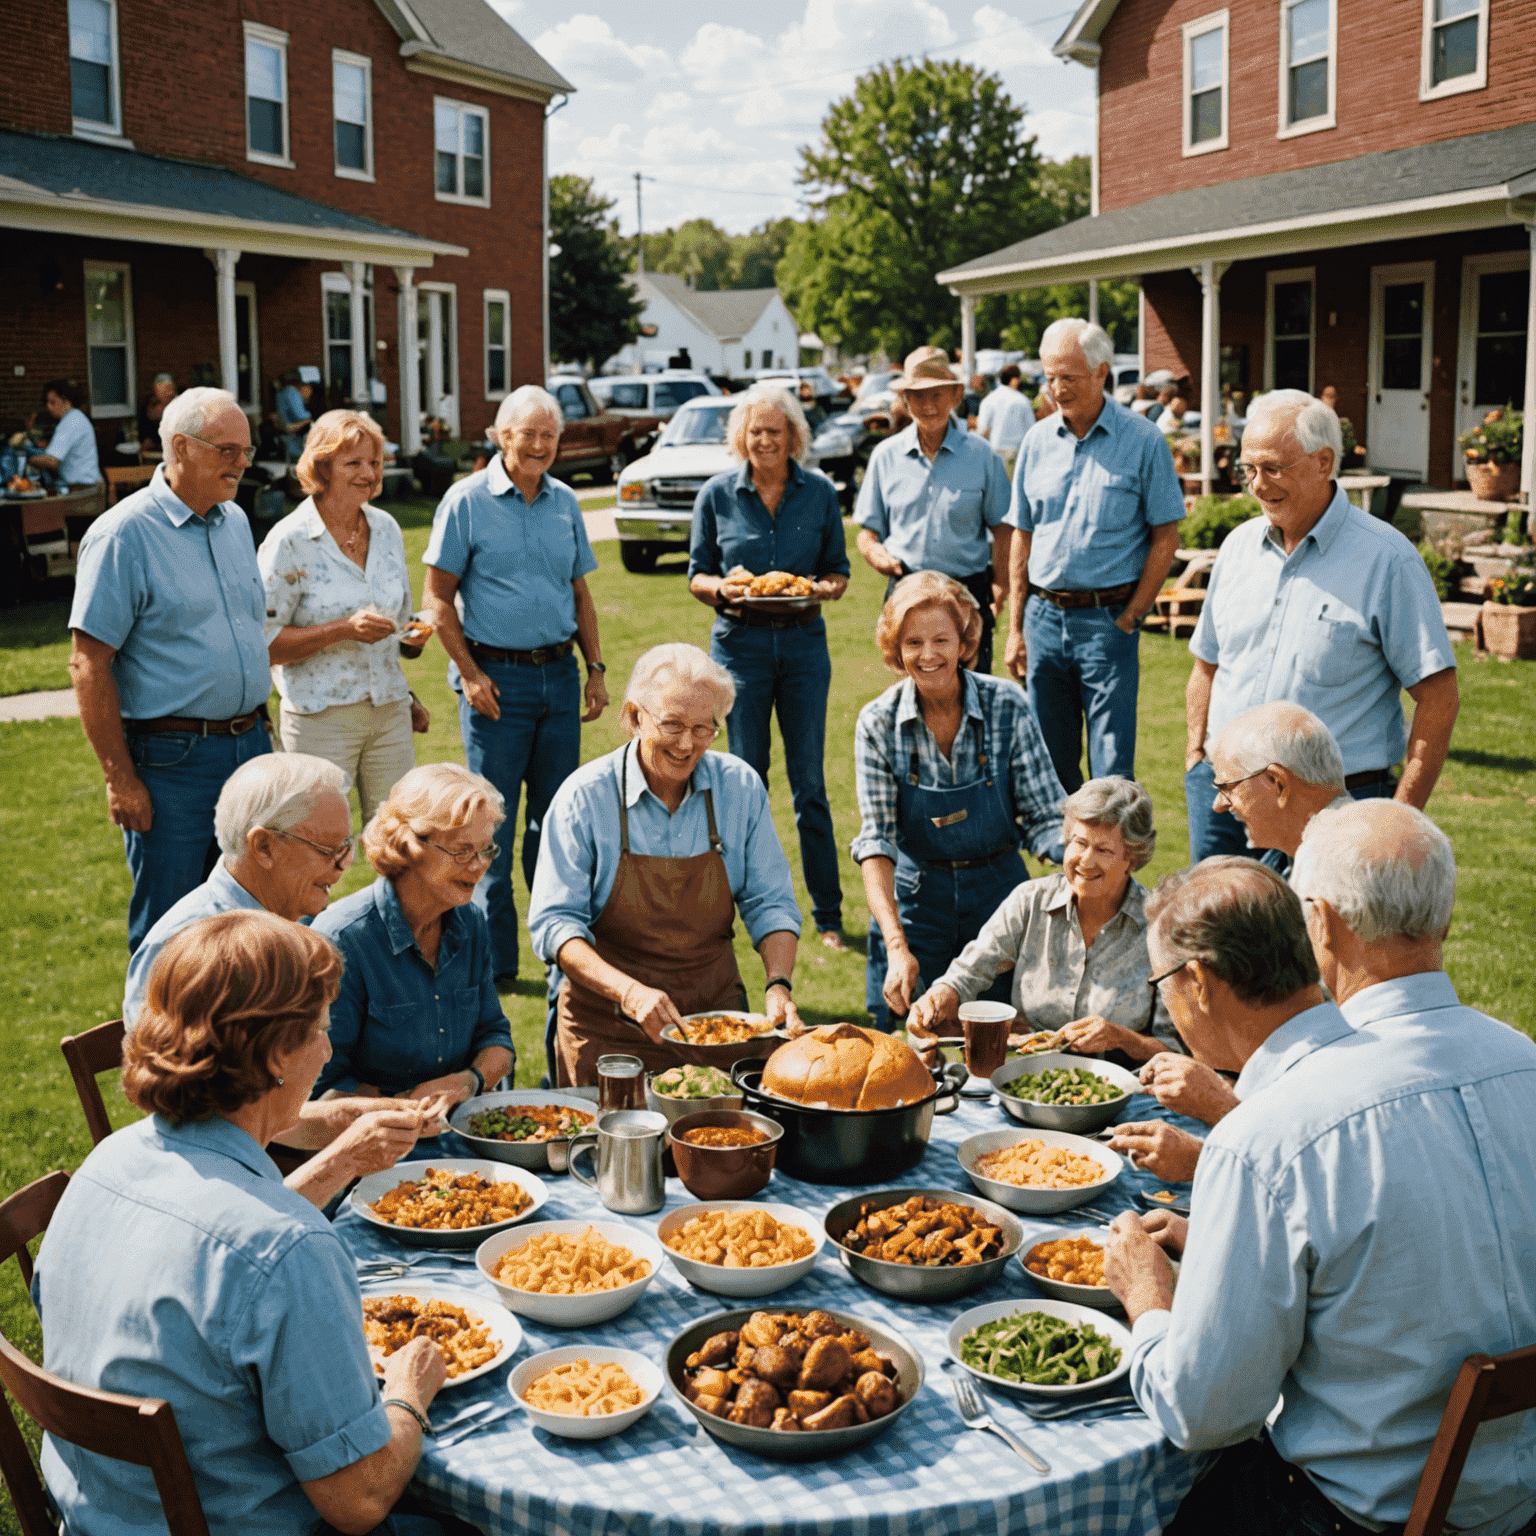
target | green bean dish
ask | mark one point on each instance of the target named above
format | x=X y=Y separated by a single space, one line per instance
x=1064 y=1085
x=1040 y=1350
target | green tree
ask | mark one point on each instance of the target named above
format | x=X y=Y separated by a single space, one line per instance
x=699 y=252
x=754 y=256
x=593 y=310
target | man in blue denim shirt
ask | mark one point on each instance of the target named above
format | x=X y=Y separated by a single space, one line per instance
x=1096 y=510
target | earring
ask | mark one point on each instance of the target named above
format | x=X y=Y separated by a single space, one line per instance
x=279 y=1082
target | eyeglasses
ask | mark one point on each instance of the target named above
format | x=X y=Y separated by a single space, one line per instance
x=486 y=855
x=1251 y=472
x=340 y=856
x=1224 y=791
x=231 y=453
x=675 y=730
x=1157 y=981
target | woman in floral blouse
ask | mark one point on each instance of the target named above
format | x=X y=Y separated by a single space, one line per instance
x=338 y=596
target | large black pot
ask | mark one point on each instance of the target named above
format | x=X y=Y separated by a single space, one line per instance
x=845 y=1146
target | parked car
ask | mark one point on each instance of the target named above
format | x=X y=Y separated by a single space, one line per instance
x=823 y=385
x=596 y=441
x=651 y=398
x=844 y=443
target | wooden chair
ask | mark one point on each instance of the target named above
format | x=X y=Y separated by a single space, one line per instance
x=133 y=1429
x=1487 y=1387
x=1183 y=601
x=129 y=476
x=97 y=1050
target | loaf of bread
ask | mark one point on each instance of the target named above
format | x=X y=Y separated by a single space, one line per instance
x=844 y=1067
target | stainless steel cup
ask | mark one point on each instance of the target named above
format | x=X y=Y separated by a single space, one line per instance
x=628 y=1144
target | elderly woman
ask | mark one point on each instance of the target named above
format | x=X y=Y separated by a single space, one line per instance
x=418 y=1016
x=771 y=515
x=337 y=597
x=953 y=777
x=1076 y=941
x=648 y=855
x=230 y=1296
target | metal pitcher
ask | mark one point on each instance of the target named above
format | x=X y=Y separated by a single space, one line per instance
x=629 y=1144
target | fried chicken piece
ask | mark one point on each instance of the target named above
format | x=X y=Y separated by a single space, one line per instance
x=853 y=1341
x=936 y=1248
x=715 y=1350
x=762 y=1329
x=710 y=1382
x=817 y=1325
x=827 y=1361
x=756 y=1404
x=776 y=1365
x=709 y=1403
x=784 y=1419
x=866 y=1360
x=894 y=1249
x=803 y=1404
x=838 y=1414
x=877 y=1393
x=795 y=1343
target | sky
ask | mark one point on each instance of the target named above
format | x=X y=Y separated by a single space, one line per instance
x=714 y=101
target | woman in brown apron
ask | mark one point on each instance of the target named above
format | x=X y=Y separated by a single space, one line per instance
x=661 y=943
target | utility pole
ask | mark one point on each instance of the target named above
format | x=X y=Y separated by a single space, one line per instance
x=640 y=223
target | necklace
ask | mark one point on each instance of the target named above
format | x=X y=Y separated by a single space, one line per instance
x=350 y=544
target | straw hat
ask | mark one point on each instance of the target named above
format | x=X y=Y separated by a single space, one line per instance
x=927 y=368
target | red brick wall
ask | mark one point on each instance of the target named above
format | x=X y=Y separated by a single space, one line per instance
x=1378 y=106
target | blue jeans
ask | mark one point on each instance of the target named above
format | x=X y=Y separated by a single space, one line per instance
x=791 y=670
x=183 y=774
x=537 y=742
x=1082 y=665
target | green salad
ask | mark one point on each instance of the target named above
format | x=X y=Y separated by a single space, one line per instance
x=1064 y=1085
x=1039 y=1349
x=694 y=1083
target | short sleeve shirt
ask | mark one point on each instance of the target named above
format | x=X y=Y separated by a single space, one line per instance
x=73 y=444
x=733 y=527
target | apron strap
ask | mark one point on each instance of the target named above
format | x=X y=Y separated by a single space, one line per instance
x=981 y=750
x=624 y=802
x=715 y=845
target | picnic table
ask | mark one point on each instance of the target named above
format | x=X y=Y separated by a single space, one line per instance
x=43 y=528
x=1111 y=1470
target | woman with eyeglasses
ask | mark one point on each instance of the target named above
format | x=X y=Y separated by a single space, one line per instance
x=417 y=1016
x=648 y=856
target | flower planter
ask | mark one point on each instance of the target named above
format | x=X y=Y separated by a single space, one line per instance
x=1508 y=632
x=1493 y=482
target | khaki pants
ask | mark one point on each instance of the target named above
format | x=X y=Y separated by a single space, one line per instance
x=370 y=743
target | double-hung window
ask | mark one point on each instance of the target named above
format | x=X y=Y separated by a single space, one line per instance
x=1308 y=37
x=93 y=74
x=1455 y=48
x=461 y=140
x=498 y=314
x=266 y=95
x=352 y=114
x=109 y=338
x=1290 y=328
x=1205 y=84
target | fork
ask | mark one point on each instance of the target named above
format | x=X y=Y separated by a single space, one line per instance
x=976 y=1417
x=463 y=1431
x=1044 y=1415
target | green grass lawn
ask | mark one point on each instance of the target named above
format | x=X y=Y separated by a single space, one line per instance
x=65 y=933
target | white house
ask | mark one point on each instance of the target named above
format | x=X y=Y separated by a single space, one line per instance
x=730 y=333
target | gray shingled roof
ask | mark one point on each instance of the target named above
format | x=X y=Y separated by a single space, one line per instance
x=729 y=312
x=1366 y=181
x=470 y=32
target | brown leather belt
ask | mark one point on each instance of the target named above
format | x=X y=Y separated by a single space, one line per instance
x=985 y=859
x=536 y=658
x=755 y=618
x=1107 y=597
x=181 y=723
x=1367 y=776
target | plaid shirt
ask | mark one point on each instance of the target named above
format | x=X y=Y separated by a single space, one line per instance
x=891 y=726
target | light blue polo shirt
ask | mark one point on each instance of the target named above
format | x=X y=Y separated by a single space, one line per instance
x=73 y=444
x=1340 y=626
x=935 y=517
x=1090 y=504
x=180 y=599
x=515 y=560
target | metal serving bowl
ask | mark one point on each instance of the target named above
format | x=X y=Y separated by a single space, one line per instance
x=1030 y=1199
x=789 y=1445
x=754 y=1048
x=1080 y=1118
x=675 y=1109
x=541 y=1156
x=921 y=1282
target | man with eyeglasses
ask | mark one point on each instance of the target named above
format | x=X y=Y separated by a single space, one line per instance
x=1320 y=604
x=169 y=661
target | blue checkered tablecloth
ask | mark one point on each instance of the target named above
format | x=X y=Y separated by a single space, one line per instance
x=927 y=1474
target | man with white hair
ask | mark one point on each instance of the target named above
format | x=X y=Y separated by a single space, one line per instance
x=1320 y=604
x=1362 y=1219
x=510 y=551
x=169 y=661
x=1096 y=509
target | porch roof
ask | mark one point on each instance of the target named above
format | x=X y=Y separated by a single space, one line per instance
x=73 y=186
x=1472 y=182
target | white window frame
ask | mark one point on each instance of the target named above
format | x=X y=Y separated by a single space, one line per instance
x=255 y=32
x=1271 y=279
x=1328 y=119
x=338 y=282
x=483 y=113
x=110 y=412
x=504 y=298
x=428 y=403
x=83 y=127
x=363 y=62
x=1191 y=30
x=247 y=291
x=1476 y=81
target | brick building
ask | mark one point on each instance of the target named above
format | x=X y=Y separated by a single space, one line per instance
x=1314 y=192
x=227 y=194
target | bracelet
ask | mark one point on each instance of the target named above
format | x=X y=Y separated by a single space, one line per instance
x=779 y=981
x=479 y=1077
x=415 y=1413
x=596 y=666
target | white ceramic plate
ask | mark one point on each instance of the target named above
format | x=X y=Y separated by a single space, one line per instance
x=571 y=1311
x=672 y=1035
x=1030 y=1199
x=644 y=1373
x=763 y=1281
x=377 y=1185
x=1117 y=1333
x=506 y=1332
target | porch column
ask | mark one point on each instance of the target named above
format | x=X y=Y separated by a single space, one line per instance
x=1528 y=451
x=229 y=353
x=1093 y=301
x=967 y=336
x=410 y=406
x=1210 y=275
x=362 y=396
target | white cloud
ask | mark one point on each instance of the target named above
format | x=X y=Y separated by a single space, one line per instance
x=1004 y=42
x=669 y=106
x=1061 y=133
x=585 y=49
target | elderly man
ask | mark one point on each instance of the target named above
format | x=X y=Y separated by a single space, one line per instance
x=1005 y=416
x=934 y=493
x=1096 y=508
x=510 y=544
x=71 y=451
x=1361 y=1219
x=1321 y=604
x=169 y=664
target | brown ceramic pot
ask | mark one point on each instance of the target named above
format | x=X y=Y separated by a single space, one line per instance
x=724 y=1173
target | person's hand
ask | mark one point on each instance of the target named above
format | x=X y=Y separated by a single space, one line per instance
x=366 y=626
x=902 y=975
x=380 y=1138
x=999 y=598
x=1193 y=756
x=650 y=1008
x=595 y=695
x=421 y=717
x=434 y=1112
x=1168 y=1231
x=1126 y=623
x=451 y=1089
x=733 y=588
x=415 y=1373
x=1093 y=1035
x=1188 y=1087
x=883 y=560
x=1160 y=1148
x=482 y=693
x=938 y=1006
x=128 y=803
x=1136 y=1269
x=1016 y=655
x=782 y=1013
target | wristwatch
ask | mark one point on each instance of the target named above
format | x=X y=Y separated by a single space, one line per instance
x=479 y=1078
x=596 y=666
x=779 y=981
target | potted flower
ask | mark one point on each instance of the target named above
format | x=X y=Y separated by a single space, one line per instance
x=1508 y=617
x=1492 y=451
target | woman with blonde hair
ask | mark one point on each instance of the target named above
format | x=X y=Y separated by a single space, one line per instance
x=338 y=596
x=953 y=777
x=417 y=1016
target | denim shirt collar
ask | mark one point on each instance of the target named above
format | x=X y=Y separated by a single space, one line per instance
x=1106 y=422
x=970 y=703
x=1296 y=1039
x=910 y=444
x=1322 y=533
x=500 y=482
x=744 y=483
x=633 y=775
x=216 y=1134
x=229 y=889
x=1421 y=993
x=175 y=509
x=387 y=901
